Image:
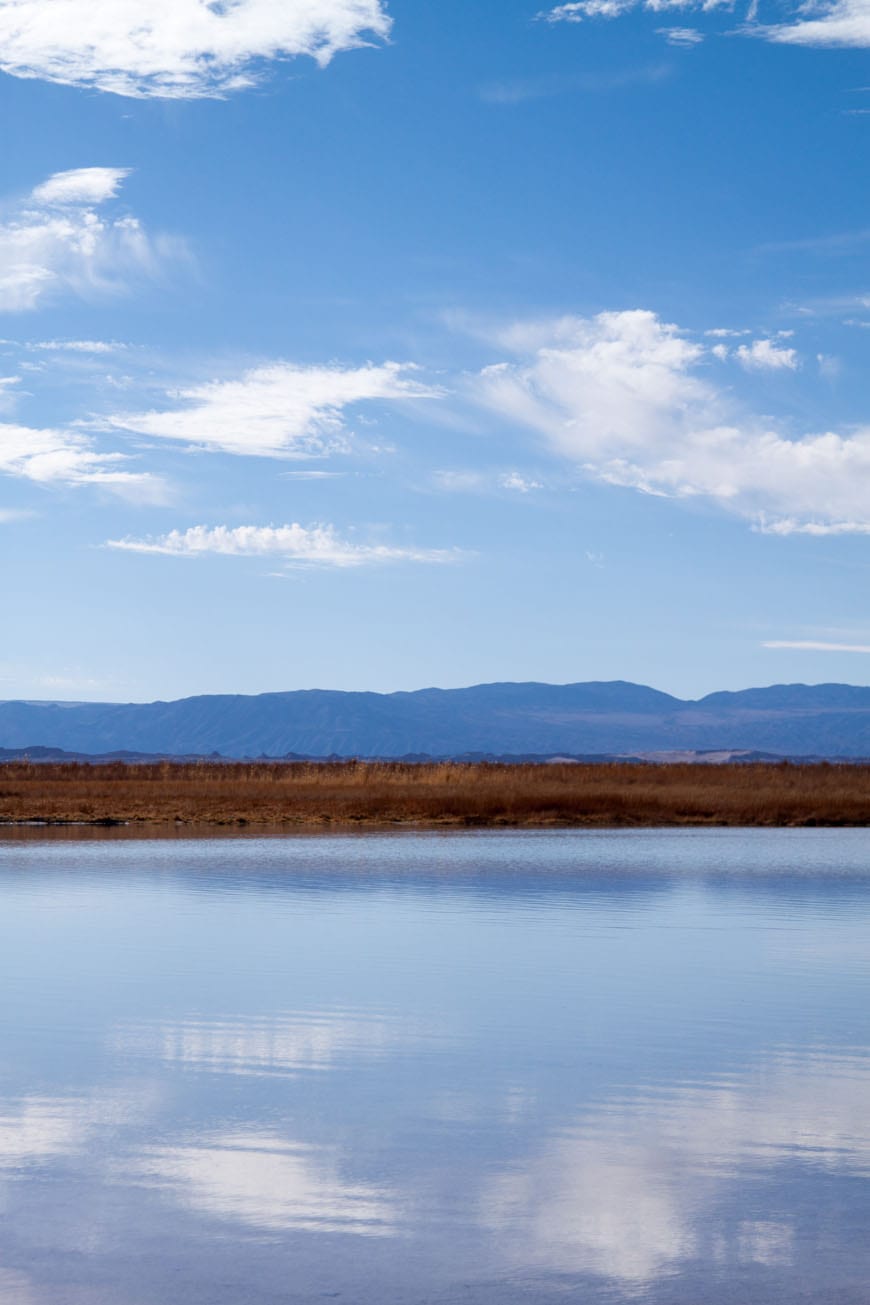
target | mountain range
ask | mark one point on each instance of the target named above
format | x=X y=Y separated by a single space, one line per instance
x=611 y=717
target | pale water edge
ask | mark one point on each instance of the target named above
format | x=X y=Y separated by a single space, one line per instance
x=621 y=1066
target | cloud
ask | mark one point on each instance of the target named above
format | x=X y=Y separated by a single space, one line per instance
x=790 y=526
x=277 y=410
x=56 y=241
x=813 y=645
x=178 y=49
x=318 y=545
x=580 y=10
x=844 y=23
x=80 y=186
x=520 y=484
x=683 y=37
x=519 y=89
x=78 y=346
x=764 y=355
x=484 y=482
x=628 y=398
x=59 y=457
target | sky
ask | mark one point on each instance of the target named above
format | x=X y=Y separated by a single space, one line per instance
x=378 y=344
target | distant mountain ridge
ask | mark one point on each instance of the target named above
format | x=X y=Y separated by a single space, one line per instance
x=610 y=717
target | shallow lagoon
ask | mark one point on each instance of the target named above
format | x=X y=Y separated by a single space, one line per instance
x=501 y=1067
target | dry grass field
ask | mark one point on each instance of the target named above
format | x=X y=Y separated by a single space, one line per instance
x=352 y=794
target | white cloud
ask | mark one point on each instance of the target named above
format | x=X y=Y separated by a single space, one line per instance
x=764 y=355
x=813 y=645
x=580 y=10
x=80 y=186
x=59 y=457
x=518 y=483
x=176 y=48
x=628 y=398
x=56 y=241
x=277 y=410
x=684 y=37
x=77 y=346
x=844 y=23
x=318 y=545
x=484 y=482
x=791 y=526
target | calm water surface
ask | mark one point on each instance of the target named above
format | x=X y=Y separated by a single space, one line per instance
x=513 y=1067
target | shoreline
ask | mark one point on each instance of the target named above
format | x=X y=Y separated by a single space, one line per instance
x=355 y=796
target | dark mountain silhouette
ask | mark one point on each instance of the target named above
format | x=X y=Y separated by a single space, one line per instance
x=501 y=719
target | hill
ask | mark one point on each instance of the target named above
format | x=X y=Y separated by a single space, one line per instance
x=497 y=719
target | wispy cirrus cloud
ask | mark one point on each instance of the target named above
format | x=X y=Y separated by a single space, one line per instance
x=276 y=410
x=815 y=645
x=318 y=545
x=178 y=49
x=516 y=90
x=843 y=23
x=58 y=241
x=629 y=399
x=683 y=37
x=581 y=10
x=62 y=457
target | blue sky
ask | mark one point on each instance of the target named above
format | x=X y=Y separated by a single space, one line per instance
x=365 y=344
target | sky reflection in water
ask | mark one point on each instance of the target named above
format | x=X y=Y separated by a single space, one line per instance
x=429 y=1068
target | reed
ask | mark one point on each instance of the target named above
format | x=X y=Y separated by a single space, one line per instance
x=351 y=794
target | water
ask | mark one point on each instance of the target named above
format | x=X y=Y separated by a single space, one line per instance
x=501 y=1068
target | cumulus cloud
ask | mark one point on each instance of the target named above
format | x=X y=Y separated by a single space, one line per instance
x=176 y=48
x=61 y=457
x=765 y=355
x=319 y=545
x=278 y=410
x=628 y=398
x=57 y=241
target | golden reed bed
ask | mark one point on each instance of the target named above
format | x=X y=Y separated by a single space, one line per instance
x=353 y=794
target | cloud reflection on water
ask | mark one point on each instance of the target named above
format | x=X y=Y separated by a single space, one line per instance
x=636 y=1186
x=292 y=1044
x=42 y=1129
x=15 y=1289
x=269 y=1183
